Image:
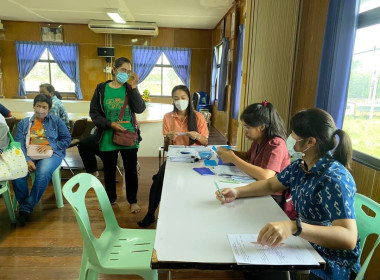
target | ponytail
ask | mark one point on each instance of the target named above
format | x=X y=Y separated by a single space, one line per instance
x=343 y=152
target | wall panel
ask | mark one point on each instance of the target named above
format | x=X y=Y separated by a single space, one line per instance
x=91 y=66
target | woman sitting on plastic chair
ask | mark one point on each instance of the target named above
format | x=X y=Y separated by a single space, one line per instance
x=183 y=126
x=323 y=192
x=49 y=138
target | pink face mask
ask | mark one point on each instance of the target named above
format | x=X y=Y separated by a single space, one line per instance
x=40 y=113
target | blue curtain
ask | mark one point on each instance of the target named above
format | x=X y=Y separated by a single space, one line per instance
x=214 y=71
x=223 y=75
x=67 y=58
x=144 y=60
x=237 y=74
x=334 y=71
x=28 y=54
x=180 y=59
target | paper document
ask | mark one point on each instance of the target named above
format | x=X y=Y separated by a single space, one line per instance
x=226 y=170
x=184 y=154
x=293 y=251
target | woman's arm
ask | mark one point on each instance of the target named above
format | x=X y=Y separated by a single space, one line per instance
x=342 y=234
x=4 y=138
x=258 y=188
x=96 y=113
x=253 y=171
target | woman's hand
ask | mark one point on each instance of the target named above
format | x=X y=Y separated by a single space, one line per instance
x=193 y=135
x=171 y=135
x=117 y=127
x=31 y=166
x=43 y=148
x=229 y=195
x=135 y=80
x=272 y=234
x=225 y=154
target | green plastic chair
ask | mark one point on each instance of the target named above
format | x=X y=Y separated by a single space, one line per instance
x=367 y=225
x=5 y=192
x=117 y=250
x=56 y=179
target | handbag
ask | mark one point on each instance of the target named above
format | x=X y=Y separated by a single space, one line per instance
x=12 y=161
x=32 y=150
x=125 y=138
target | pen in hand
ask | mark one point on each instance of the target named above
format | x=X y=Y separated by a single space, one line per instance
x=217 y=187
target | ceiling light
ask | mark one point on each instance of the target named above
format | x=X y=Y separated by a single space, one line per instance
x=115 y=16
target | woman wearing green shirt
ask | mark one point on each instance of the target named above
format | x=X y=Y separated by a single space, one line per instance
x=106 y=105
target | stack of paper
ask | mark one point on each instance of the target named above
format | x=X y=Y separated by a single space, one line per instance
x=183 y=155
x=226 y=170
x=293 y=251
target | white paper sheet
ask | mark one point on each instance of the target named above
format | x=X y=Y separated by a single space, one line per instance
x=291 y=252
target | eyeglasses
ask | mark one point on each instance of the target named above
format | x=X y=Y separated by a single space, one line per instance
x=123 y=70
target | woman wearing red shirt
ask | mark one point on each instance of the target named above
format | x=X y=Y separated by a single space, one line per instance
x=268 y=154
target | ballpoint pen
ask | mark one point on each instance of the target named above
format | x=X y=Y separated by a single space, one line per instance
x=217 y=187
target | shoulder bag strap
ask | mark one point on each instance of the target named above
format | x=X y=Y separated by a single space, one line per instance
x=124 y=106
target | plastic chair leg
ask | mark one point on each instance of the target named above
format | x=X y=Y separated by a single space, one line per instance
x=8 y=203
x=56 y=178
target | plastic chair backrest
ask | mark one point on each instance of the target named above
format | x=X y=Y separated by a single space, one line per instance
x=79 y=127
x=76 y=198
x=10 y=122
x=367 y=225
x=203 y=99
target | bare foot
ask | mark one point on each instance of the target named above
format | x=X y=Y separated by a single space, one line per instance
x=135 y=208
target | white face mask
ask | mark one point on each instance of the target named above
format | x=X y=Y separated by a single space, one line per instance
x=182 y=104
x=290 y=142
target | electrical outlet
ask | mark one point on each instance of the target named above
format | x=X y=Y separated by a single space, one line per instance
x=109 y=70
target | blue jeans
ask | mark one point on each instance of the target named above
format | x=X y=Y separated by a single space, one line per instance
x=44 y=171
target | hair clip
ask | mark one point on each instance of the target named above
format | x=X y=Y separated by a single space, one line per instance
x=264 y=103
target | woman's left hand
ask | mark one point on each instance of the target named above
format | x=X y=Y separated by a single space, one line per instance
x=43 y=148
x=193 y=135
x=135 y=80
x=272 y=234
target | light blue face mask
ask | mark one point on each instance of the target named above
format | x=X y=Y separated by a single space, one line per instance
x=122 y=78
x=290 y=142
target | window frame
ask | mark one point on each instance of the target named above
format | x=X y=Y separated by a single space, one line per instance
x=50 y=59
x=161 y=65
x=366 y=19
x=219 y=49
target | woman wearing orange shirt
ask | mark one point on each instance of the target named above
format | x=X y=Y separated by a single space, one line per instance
x=182 y=126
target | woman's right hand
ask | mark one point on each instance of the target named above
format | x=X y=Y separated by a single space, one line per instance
x=171 y=135
x=229 y=195
x=31 y=166
x=117 y=127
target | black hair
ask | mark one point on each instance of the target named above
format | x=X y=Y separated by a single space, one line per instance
x=317 y=123
x=264 y=113
x=59 y=96
x=42 y=97
x=191 y=117
x=48 y=87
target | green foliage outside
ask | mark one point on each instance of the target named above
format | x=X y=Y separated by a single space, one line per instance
x=364 y=134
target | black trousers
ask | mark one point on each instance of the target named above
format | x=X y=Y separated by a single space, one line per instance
x=88 y=148
x=129 y=157
x=156 y=190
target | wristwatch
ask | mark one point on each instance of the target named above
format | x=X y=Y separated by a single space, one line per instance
x=299 y=227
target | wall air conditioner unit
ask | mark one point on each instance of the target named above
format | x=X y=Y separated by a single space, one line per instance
x=131 y=27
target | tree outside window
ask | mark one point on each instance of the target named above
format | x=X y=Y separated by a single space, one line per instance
x=362 y=115
x=46 y=70
x=162 y=79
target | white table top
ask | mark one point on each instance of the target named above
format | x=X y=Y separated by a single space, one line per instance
x=192 y=225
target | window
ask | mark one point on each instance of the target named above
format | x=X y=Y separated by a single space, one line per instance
x=362 y=116
x=162 y=79
x=218 y=61
x=46 y=70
